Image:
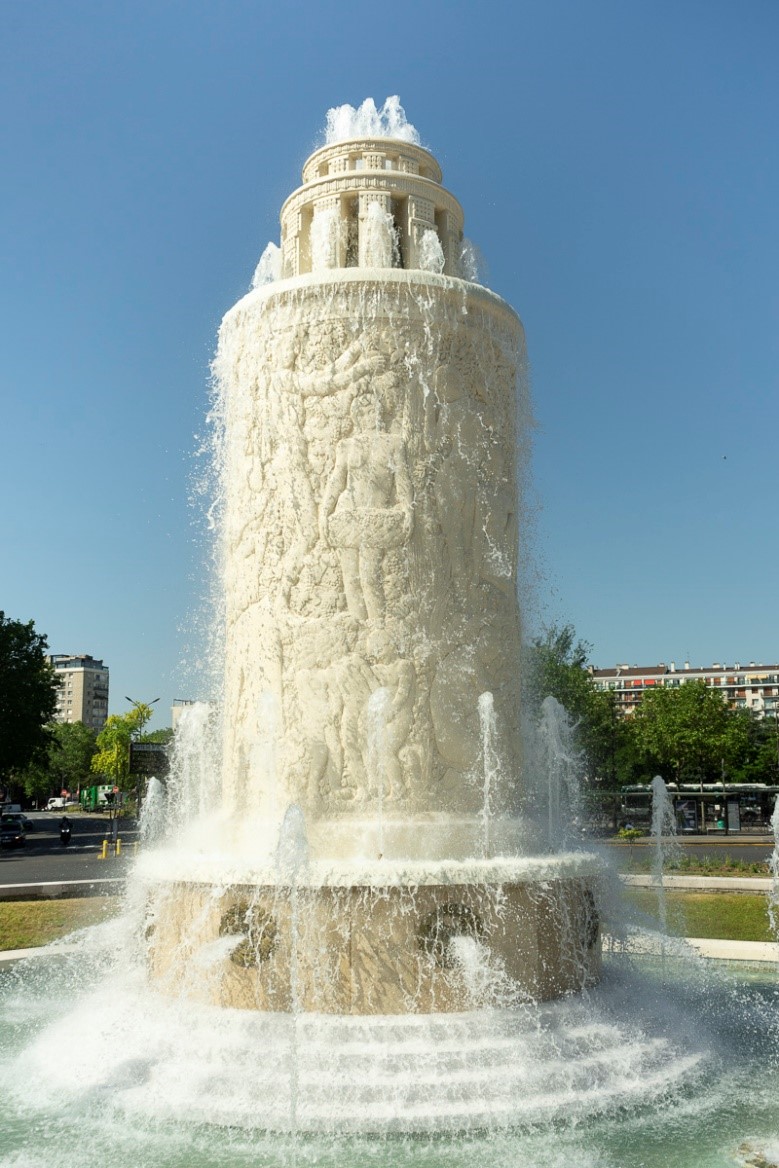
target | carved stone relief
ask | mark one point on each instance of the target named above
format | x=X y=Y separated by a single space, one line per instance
x=371 y=541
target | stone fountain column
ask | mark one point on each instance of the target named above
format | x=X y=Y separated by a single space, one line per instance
x=371 y=521
x=372 y=627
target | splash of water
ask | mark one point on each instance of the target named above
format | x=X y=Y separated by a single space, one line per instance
x=431 y=254
x=152 y=819
x=366 y=121
x=561 y=763
x=269 y=268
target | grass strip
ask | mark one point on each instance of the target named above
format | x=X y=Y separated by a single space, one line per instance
x=639 y=861
x=25 y=924
x=722 y=916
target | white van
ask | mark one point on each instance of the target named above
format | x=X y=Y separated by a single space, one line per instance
x=56 y=803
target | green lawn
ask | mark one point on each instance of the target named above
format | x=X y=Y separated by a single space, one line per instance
x=727 y=916
x=730 y=916
x=27 y=923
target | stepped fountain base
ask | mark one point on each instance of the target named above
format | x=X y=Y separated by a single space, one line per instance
x=384 y=938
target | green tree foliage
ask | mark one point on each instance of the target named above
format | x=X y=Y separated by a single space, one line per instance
x=163 y=736
x=691 y=733
x=112 y=758
x=558 y=668
x=63 y=764
x=28 y=695
x=72 y=748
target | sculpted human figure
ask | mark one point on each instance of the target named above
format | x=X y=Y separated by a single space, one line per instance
x=367 y=506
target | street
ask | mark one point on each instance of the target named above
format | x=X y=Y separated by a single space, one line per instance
x=44 y=858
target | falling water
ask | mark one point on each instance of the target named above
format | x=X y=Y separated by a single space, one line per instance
x=152 y=824
x=378 y=714
x=489 y=765
x=325 y=237
x=381 y=239
x=194 y=782
x=431 y=254
x=291 y=861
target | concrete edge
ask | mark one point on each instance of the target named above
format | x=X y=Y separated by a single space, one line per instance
x=759 y=884
x=56 y=889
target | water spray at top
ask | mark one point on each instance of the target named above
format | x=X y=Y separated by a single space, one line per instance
x=345 y=122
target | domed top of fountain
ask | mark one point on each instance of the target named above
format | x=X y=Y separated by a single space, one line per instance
x=371 y=198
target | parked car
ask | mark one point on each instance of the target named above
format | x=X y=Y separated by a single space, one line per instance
x=56 y=803
x=12 y=833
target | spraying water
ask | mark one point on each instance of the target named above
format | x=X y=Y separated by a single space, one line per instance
x=366 y=121
x=152 y=824
x=664 y=843
x=561 y=763
x=269 y=267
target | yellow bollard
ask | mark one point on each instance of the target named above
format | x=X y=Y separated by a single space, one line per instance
x=118 y=851
x=103 y=853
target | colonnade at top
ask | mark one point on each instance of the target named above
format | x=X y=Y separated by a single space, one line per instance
x=371 y=203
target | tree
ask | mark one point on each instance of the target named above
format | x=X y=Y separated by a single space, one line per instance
x=163 y=736
x=28 y=695
x=71 y=750
x=690 y=732
x=112 y=758
x=64 y=763
x=558 y=668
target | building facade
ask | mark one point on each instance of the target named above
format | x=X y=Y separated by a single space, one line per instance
x=752 y=687
x=83 y=689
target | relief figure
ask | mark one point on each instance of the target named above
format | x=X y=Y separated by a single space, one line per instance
x=367 y=506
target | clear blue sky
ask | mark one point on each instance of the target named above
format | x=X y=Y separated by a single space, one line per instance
x=617 y=162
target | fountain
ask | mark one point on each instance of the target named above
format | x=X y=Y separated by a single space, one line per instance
x=366 y=919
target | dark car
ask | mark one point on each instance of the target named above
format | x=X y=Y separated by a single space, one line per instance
x=12 y=833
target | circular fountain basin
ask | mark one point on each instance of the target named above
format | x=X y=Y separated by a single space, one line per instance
x=379 y=937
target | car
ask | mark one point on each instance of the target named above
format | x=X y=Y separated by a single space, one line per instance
x=20 y=817
x=12 y=833
x=56 y=803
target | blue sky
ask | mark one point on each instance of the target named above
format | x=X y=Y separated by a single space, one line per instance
x=617 y=163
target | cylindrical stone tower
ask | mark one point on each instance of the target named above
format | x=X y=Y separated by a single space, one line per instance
x=371 y=523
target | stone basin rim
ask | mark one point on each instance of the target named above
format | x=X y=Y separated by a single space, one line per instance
x=170 y=868
x=339 y=278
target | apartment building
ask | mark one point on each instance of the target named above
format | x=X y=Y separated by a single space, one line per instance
x=753 y=687
x=83 y=690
